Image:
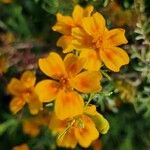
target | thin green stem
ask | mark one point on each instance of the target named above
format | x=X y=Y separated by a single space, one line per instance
x=89 y=100
x=106 y=75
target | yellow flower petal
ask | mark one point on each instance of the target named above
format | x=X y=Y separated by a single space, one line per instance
x=28 y=79
x=47 y=90
x=64 y=24
x=77 y=15
x=34 y=104
x=80 y=39
x=66 y=43
x=101 y=123
x=99 y=22
x=114 y=58
x=88 y=10
x=68 y=140
x=90 y=110
x=52 y=65
x=116 y=37
x=87 y=134
x=68 y=104
x=16 y=104
x=15 y=87
x=93 y=62
x=94 y=25
x=87 y=82
x=73 y=64
x=57 y=125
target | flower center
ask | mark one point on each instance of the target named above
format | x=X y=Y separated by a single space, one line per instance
x=64 y=83
x=97 y=42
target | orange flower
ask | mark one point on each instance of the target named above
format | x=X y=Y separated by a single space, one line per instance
x=65 y=24
x=66 y=76
x=81 y=129
x=21 y=147
x=23 y=92
x=31 y=128
x=98 y=44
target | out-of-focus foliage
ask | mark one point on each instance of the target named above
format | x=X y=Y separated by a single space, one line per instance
x=26 y=35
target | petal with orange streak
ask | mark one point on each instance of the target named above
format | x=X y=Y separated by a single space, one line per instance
x=28 y=79
x=87 y=82
x=52 y=65
x=73 y=64
x=88 y=11
x=57 y=125
x=64 y=24
x=114 y=58
x=94 y=25
x=115 y=37
x=34 y=103
x=100 y=22
x=68 y=140
x=15 y=87
x=47 y=90
x=87 y=134
x=81 y=39
x=16 y=104
x=77 y=14
x=93 y=62
x=68 y=104
x=65 y=42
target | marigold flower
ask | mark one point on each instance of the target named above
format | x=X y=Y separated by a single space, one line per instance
x=31 y=128
x=81 y=129
x=23 y=92
x=98 y=44
x=65 y=24
x=66 y=78
x=21 y=147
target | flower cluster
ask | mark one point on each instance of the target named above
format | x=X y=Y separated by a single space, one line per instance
x=72 y=119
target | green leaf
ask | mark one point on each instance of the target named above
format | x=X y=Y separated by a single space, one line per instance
x=51 y=6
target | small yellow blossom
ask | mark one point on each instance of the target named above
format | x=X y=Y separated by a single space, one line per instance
x=65 y=24
x=21 y=147
x=3 y=65
x=98 y=44
x=126 y=91
x=23 y=92
x=7 y=38
x=81 y=129
x=66 y=78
